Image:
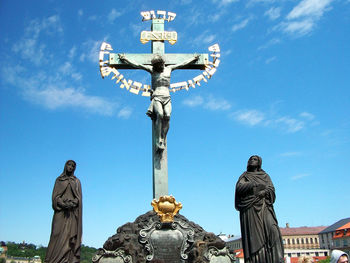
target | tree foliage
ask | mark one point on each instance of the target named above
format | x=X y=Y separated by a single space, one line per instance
x=31 y=250
x=327 y=260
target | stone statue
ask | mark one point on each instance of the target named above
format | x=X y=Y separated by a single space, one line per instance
x=65 y=239
x=254 y=198
x=160 y=107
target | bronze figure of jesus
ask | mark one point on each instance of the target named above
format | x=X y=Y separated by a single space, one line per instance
x=160 y=107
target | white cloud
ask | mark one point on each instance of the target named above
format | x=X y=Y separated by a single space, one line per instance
x=209 y=103
x=273 y=13
x=29 y=46
x=307 y=8
x=205 y=38
x=299 y=176
x=54 y=97
x=217 y=104
x=307 y=115
x=252 y=3
x=269 y=60
x=253 y=117
x=290 y=154
x=290 y=124
x=224 y=2
x=298 y=28
x=304 y=16
x=113 y=15
x=92 y=48
x=249 y=117
x=125 y=113
x=271 y=42
x=193 y=101
x=72 y=52
x=240 y=25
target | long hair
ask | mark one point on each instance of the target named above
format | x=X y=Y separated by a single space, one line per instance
x=259 y=163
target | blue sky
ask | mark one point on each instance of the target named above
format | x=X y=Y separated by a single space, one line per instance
x=281 y=91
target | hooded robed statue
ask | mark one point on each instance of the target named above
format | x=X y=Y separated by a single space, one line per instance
x=65 y=239
x=254 y=198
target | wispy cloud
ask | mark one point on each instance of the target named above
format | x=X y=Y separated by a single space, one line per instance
x=193 y=101
x=269 y=60
x=240 y=25
x=290 y=154
x=307 y=115
x=249 y=117
x=216 y=104
x=273 y=13
x=252 y=3
x=29 y=47
x=210 y=103
x=125 y=113
x=91 y=48
x=292 y=125
x=113 y=15
x=206 y=37
x=56 y=85
x=309 y=8
x=254 y=117
x=270 y=43
x=299 y=176
x=224 y=2
x=304 y=16
x=54 y=97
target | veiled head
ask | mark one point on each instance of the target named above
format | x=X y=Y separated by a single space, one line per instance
x=69 y=167
x=254 y=163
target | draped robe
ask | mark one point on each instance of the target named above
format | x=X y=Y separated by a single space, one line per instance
x=261 y=237
x=66 y=232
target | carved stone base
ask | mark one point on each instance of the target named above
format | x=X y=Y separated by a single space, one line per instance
x=149 y=240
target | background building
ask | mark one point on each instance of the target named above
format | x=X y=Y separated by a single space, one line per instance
x=301 y=237
x=341 y=238
x=326 y=235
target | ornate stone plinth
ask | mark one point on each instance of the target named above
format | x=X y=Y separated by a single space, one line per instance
x=148 y=239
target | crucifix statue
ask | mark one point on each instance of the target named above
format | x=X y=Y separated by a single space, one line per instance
x=160 y=66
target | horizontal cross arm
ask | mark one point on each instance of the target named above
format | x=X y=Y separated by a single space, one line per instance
x=170 y=59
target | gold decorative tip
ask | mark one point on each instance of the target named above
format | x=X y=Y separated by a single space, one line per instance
x=166 y=208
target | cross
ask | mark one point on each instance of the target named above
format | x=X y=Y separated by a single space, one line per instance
x=160 y=103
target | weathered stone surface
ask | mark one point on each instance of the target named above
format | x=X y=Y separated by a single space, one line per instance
x=149 y=240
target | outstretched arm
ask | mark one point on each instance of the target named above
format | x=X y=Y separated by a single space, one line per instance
x=186 y=62
x=123 y=58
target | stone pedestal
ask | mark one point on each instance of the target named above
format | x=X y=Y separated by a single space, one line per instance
x=149 y=240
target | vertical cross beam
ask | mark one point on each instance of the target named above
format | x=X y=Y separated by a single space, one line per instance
x=159 y=161
x=157 y=46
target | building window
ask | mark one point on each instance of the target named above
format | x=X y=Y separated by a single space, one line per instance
x=307 y=240
x=316 y=254
x=345 y=242
x=311 y=241
x=289 y=255
x=298 y=254
x=316 y=240
x=288 y=241
x=293 y=241
x=302 y=241
x=298 y=242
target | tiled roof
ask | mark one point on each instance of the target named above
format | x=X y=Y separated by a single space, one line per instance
x=304 y=230
x=239 y=253
x=336 y=225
